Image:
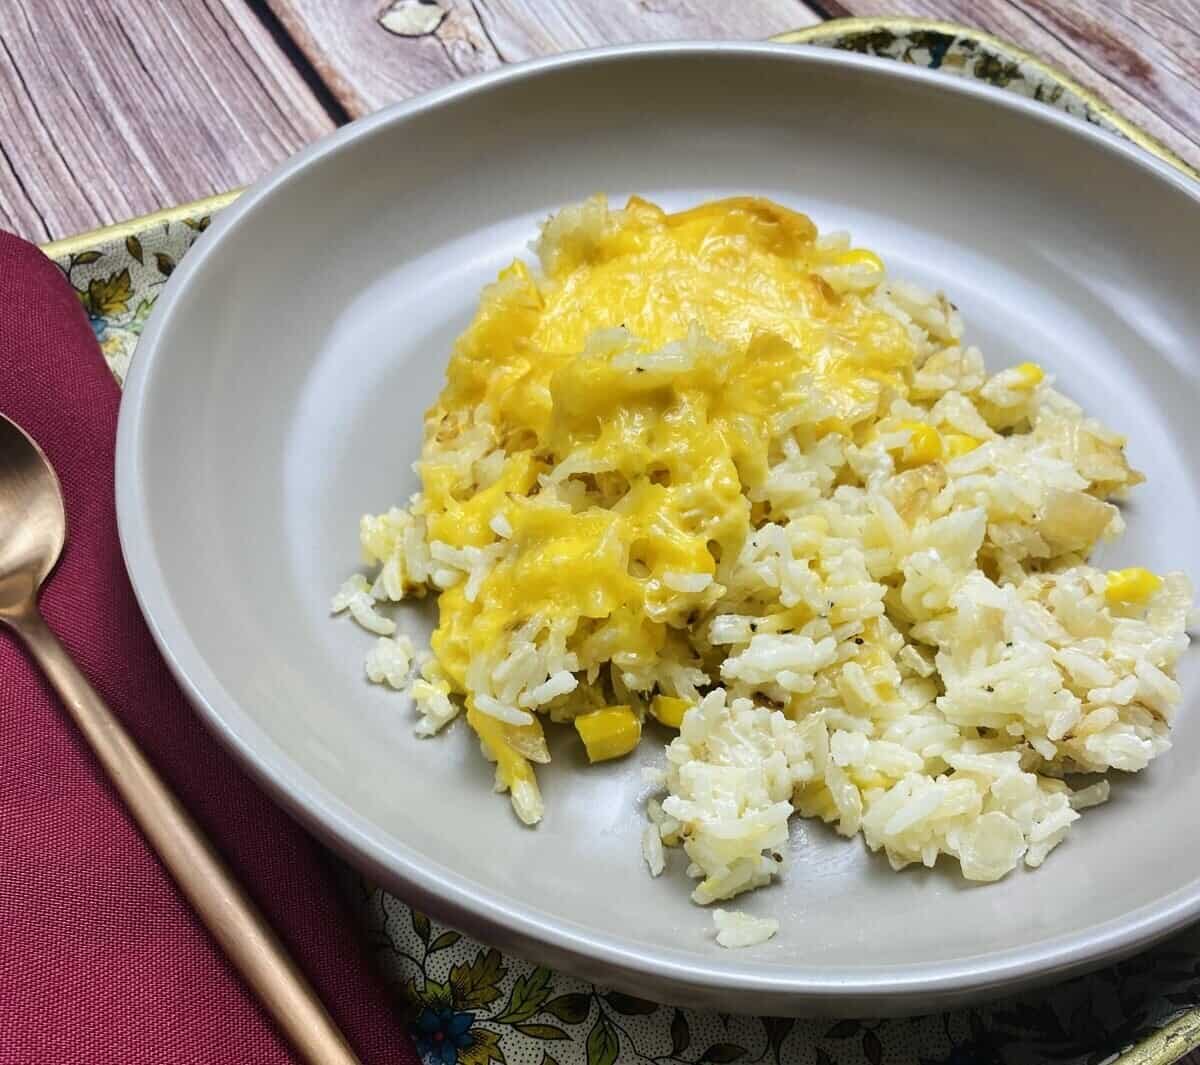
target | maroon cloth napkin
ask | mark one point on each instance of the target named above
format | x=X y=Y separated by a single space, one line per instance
x=101 y=960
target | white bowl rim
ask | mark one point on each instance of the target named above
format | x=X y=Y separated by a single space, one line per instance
x=407 y=873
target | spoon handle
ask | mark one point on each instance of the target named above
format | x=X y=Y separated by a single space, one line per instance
x=202 y=876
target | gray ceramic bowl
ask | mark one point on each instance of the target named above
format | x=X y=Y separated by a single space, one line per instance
x=278 y=391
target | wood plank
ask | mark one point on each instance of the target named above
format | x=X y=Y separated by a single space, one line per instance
x=117 y=109
x=1141 y=56
x=432 y=42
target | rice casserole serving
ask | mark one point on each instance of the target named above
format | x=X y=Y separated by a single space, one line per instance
x=718 y=470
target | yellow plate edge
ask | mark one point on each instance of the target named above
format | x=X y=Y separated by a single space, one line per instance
x=68 y=246
x=1167 y=1045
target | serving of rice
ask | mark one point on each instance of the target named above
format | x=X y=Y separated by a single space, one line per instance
x=717 y=469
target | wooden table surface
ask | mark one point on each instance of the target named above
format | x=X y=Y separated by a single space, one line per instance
x=116 y=109
x=124 y=107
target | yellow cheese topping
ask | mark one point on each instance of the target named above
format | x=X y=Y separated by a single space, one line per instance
x=676 y=447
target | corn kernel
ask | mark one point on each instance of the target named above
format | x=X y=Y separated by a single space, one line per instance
x=859 y=257
x=1131 y=587
x=609 y=733
x=1030 y=375
x=924 y=445
x=668 y=710
x=959 y=444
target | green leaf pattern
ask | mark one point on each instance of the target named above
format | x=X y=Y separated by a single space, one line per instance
x=570 y=1008
x=518 y=1012
x=446 y=939
x=420 y=925
x=603 y=1046
x=528 y=995
x=629 y=1006
x=118 y=280
x=681 y=1033
x=541 y=1031
x=531 y=1013
x=970 y=57
x=474 y=985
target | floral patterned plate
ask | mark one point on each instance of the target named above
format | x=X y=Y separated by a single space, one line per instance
x=470 y=1005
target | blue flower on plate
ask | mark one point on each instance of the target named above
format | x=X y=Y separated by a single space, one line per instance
x=441 y=1033
x=99 y=325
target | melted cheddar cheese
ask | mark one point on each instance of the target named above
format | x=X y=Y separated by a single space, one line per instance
x=728 y=295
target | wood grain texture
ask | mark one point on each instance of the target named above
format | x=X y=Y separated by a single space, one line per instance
x=1142 y=57
x=366 y=66
x=116 y=109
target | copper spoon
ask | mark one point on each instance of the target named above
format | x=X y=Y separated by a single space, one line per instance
x=33 y=528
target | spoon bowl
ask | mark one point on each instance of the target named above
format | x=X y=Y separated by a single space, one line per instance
x=33 y=521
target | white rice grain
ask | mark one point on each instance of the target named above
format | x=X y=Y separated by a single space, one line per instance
x=510 y=715
x=737 y=929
